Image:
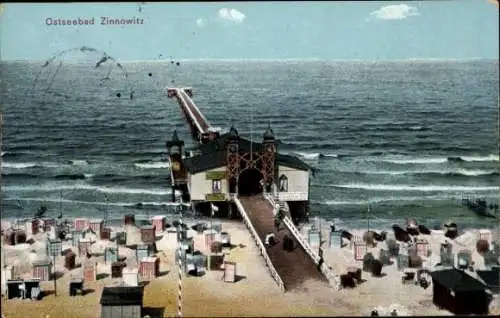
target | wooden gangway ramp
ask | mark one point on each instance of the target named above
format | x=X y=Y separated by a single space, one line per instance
x=295 y=267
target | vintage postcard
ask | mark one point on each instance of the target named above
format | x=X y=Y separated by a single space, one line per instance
x=249 y=159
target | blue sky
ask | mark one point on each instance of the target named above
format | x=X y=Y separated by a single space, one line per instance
x=369 y=30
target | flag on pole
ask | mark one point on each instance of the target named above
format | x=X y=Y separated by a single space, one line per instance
x=214 y=209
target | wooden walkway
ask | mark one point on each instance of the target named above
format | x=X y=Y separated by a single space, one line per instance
x=295 y=267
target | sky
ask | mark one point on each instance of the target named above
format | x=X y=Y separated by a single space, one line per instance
x=365 y=30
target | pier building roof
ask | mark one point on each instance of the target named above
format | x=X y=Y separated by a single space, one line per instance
x=213 y=155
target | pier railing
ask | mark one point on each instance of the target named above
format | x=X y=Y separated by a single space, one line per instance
x=314 y=256
x=190 y=111
x=259 y=243
x=270 y=198
x=196 y=109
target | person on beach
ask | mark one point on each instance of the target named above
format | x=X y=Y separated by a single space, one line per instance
x=278 y=219
x=277 y=224
x=287 y=243
x=270 y=239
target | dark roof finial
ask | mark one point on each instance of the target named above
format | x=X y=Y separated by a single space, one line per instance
x=175 y=137
x=269 y=133
x=233 y=133
x=175 y=141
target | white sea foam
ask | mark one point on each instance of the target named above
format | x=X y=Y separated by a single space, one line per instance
x=79 y=162
x=153 y=165
x=389 y=187
x=388 y=199
x=49 y=187
x=308 y=156
x=464 y=172
x=424 y=160
x=18 y=165
x=25 y=165
x=478 y=158
x=123 y=204
x=410 y=160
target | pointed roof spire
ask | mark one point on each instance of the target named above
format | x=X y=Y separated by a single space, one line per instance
x=175 y=137
x=269 y=133
x=233 y=133
x=175 y=141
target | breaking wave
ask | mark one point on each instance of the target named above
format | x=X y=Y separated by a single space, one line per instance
x=25 y=165
x=387 y=187
x=379 y=157
x=308 y=156
x=451 y=173
x=139 y=205
x=76 y=176
x=383 y=199
x=437 y=160
x=153 y=165
x=48 y=187
x=18 y=165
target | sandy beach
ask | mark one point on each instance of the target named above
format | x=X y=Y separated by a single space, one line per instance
x=256 y=294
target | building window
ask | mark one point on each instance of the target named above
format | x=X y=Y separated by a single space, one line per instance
x=283 y=182
x=216 y=186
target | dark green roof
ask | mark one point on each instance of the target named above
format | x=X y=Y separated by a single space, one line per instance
x=292 y=162
x=490 y=277
x=457 y=280
x=213 y=155
x=122 y=296
x=221 y=142
x=205 y=162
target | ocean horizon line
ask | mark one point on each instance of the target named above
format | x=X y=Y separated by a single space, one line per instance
x=410 y=59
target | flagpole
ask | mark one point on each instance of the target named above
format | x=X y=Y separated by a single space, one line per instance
x=368 y=218
x=60 y=205
x=211 y=215
x=180 y=263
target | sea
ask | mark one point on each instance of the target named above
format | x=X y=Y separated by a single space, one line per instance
x=389 y=140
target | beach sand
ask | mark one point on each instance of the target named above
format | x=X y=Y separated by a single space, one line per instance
x=256 y=294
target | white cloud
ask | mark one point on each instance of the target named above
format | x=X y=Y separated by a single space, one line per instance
x=224 y=14
x=395 y=12
x=200 y=22
x=232 y=15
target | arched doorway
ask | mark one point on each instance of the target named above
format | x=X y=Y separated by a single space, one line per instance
x=249 y=182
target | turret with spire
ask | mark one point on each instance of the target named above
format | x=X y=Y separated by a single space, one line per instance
x=268 y=157
x=233 y=134
x=269 y=134
x=175 y=145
